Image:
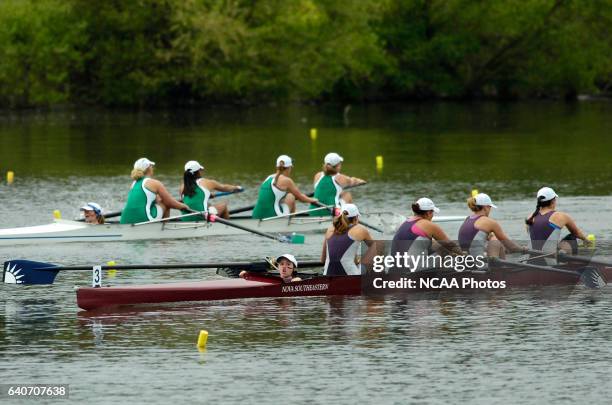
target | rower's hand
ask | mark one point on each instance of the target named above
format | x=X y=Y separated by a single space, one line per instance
x=314 y=200
x=294 y=279
x=242 y=274
x=237 y=189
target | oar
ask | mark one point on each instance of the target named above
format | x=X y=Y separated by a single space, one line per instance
x=250 y=207
x=26 y=272
x=224 y=193
x=326 y=207
x=577 y=258
x=589 y=276
x=114 y=214
x=332 y=211
x=285 y=238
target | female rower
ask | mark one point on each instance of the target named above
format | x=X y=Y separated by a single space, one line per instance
x=329 y=185
x=286 y=265
x=416 y=235
x=93 y=213
x=341 y=244
x=545 y=225
x=148 y=199
x=196 y=191
x=278 y=192
x=479 y=228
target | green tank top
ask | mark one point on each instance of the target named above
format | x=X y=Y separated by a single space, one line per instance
x=197 y=202
x=140 y=205
x=327 y=191
x=269 y=200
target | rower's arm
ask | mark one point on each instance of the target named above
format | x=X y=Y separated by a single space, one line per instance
x=292 y=188
x=167 y=198
x=440 y=236
x=347 y=181
x=508 y=243
x=215 y=185
x=573 y=228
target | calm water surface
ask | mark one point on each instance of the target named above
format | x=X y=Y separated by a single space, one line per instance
x=515 y=347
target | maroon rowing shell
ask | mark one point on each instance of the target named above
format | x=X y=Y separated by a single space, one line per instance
x=90 y=298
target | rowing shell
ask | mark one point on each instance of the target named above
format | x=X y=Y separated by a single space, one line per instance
x=89 y=298
x=62 y=231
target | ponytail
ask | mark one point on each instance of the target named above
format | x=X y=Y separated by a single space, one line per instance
x=541 y=204
x=329 y=170
x=137 y=174
x=342 y=223
x=190 y=183
x=279 y=170
x=417 y=210
x=471 y=202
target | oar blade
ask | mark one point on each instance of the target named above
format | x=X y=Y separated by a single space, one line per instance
x=591 y=278
x=25 y=272
x=292 y=238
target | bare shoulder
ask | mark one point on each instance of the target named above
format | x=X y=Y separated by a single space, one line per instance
x=360 y=232
x=317 y=176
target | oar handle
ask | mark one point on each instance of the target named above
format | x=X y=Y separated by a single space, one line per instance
x=214 y=218
x=224 y=193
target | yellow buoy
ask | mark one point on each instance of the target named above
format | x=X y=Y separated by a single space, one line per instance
x=10 y=177
x=313 y=134
x=202 y=339
x=111 y=272
x=57 y=214
x=379 y=162
x=474 y=192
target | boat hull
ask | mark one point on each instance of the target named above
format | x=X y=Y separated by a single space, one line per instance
x=62 y=231
x=90 y=298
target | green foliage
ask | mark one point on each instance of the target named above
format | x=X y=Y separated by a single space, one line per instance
x=139 y=52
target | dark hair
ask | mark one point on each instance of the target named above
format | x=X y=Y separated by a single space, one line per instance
x=417 y=210
x=540 y=204
x=190 y=182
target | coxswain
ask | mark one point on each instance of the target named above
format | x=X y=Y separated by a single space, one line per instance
x=286 y=264
x=93 y=213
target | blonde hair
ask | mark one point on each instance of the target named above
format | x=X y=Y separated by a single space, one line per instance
x=471 y=203
x=342 y=223
x=137 y=174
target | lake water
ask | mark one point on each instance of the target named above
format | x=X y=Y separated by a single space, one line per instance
x=516 y=347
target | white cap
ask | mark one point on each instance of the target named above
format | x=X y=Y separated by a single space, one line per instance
x=143 y=164
x=546 y=194
x=92 y=206
x=425 y=204
x=287 y=162
x=351 y=210
x=333 y=159
x=289 y=257
x=483 y=200
x=193 y=166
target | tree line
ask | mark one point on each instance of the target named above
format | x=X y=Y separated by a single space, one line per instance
x=179 y=52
